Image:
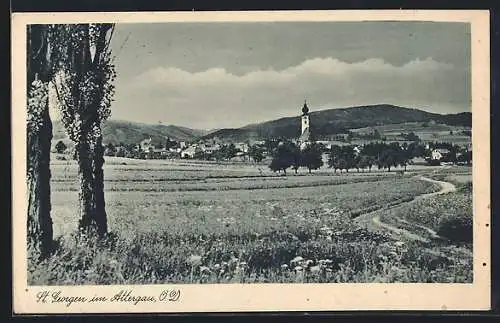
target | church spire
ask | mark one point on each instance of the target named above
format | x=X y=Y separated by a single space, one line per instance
x=305 y=109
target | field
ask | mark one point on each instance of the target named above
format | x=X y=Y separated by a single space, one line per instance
x=431 y=132
x=188 y=222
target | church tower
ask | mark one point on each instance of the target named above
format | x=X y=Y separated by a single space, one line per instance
x=305 y=130
x=305 y=117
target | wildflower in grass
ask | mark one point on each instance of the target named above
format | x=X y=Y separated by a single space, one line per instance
x=296 y=260
x=399 y=243
x=325 y=262
x=205 y=270
x=298 y=268
x=195 y=260
x=307 y=263
x=315 y=269
x=328 y=211
x=284 y=266
x=217 y=266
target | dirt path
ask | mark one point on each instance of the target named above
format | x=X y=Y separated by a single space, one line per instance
x=374 y=216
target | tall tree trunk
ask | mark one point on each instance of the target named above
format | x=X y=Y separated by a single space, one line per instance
x=86 y=178
x=99 y=202
x=38 y=165
x=39 y=138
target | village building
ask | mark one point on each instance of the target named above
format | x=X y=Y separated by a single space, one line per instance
x=175 y=150
x=438 y=154
x=191 y=151
x=210 y=148
x=243 y=147
x=257 y=142
x=146 y=144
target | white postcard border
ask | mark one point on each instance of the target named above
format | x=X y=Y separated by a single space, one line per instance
x=266 y=297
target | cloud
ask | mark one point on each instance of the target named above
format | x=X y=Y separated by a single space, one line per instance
x=216 y=98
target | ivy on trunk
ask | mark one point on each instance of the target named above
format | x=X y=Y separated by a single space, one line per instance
x=85 y=91
x=39 y=137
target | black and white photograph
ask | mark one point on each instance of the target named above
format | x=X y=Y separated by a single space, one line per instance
x=266 y=152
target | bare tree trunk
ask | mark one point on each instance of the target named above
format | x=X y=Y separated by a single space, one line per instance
x=39 y=137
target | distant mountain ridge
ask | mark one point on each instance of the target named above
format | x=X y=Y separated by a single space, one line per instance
x=126 y=132
x=334 y=121
x=323 y=123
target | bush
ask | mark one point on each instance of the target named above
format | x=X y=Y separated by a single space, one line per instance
x=457 y=229
x=433 y=162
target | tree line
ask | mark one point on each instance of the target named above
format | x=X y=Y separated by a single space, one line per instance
x=287 y=154
x=382 y=155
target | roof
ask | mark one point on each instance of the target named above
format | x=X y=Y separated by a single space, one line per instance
x=305 y=109
x=192 y=149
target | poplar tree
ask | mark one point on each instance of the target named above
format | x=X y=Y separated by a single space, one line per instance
x=39 y=137
x=84 y=87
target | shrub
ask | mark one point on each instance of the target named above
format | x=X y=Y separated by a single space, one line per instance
x=457 y=229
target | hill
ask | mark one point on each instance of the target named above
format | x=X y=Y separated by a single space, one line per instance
x=329 y=122
x=126 y=132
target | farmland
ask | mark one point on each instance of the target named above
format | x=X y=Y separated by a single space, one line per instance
x=429 y=132
x=196 y=222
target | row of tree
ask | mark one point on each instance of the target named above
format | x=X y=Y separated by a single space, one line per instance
x=287 y=155
x=380 y=154
x=75 y=60
x=384 y=156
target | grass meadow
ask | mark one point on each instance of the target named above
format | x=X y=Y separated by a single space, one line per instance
x=183 y=222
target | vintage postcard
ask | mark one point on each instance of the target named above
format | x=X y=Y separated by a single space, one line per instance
x=250 y=161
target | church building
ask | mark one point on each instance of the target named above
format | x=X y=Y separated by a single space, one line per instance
x=305 y=135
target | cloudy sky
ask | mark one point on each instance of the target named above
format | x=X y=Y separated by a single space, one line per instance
x=215 y=75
